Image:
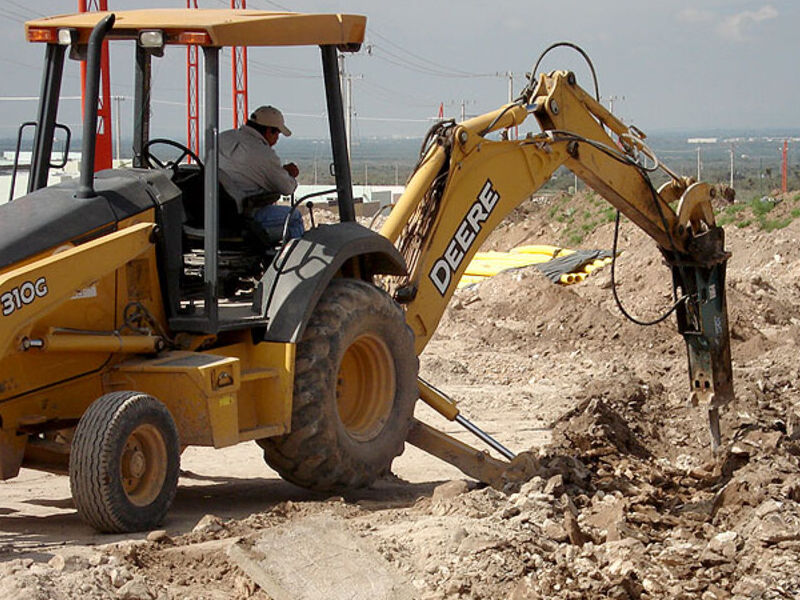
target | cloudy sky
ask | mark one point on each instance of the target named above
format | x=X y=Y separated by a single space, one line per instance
x=695 y=65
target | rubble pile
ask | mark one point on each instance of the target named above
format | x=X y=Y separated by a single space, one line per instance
x=604 y=516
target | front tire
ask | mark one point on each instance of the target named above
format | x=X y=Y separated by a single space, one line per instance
x=124 y=463
x=354 y=392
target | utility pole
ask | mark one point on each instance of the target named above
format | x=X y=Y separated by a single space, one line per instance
x=698 y=162
x=510 y=76
x=117 y=99
x=461 y=103
x=343 y=86
x=733 y=147
x=341 y=72
x=611 y=100
x=316 y=143
x=784 y=166
x=346 y=85
x=348 y=115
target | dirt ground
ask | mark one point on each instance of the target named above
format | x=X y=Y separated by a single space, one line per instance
x=618 y=494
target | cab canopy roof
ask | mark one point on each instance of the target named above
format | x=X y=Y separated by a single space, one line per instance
x=213 y=27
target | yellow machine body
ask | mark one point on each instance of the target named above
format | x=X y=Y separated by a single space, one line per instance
x=64 y=339
x=67 y=346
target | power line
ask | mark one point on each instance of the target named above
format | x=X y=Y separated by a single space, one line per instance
x=283 y=72
x=11 y=16
x=276 y=5
x=403 y=62
x=276 y=70
x=24 y=8
x=16 y=62
x=28 y=98
x=437 y=66
x=390 y=94
x=394 y=119
x=269 y=2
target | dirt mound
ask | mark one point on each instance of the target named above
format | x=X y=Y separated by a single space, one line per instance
x=595 y=429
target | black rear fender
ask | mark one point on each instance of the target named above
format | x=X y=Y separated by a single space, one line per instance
x=299 y=275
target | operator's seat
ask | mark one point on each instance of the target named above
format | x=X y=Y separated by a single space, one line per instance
x=235 y=229
x=245 y=247
x=231 y=223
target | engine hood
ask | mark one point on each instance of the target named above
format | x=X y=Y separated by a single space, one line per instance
x=53 y=216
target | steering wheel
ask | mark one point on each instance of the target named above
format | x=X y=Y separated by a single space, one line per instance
x=153 y=162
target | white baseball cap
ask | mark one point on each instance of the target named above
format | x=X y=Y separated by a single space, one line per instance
x=269 y=116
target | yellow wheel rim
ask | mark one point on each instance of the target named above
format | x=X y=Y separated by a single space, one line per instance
x=365 y=387
x=143 y=466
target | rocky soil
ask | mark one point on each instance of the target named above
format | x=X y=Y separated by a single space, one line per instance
x=615 y=492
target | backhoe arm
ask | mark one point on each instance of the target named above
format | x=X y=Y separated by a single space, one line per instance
x=466 y=184
x=692 y=244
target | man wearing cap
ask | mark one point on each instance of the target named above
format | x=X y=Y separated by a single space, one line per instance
x=251 y=173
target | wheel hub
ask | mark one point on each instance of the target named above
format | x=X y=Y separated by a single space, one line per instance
x=137 y=464
x=143 y=465
x=365 y=387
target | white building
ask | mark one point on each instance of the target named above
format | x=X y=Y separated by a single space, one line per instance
x=382 y=194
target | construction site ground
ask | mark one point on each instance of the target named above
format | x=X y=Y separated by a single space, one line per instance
x=615 y=492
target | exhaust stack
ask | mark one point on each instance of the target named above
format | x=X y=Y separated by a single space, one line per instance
x=86 y=185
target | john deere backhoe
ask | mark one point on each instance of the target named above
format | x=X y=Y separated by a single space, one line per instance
x=139 y=317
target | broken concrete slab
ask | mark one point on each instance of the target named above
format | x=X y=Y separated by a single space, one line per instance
x=450 y=490
x=318 y=558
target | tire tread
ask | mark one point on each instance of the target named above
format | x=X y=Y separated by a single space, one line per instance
x=312 y=455
x=93 y=487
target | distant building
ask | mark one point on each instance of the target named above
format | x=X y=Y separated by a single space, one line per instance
x=381 y=195
x=25 y=156
x=702 y=141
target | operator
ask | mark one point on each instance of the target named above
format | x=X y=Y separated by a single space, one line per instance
x=250 y=171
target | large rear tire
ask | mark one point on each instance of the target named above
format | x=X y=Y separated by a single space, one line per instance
x=124 y=463
x=354 y=392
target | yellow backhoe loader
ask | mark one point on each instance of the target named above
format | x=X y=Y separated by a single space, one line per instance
x=136 y=319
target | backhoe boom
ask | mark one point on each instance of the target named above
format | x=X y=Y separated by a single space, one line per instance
x=466 y=184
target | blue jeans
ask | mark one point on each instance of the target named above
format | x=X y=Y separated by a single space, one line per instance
x=274 y=215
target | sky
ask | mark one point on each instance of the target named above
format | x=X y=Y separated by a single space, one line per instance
x=689 y=65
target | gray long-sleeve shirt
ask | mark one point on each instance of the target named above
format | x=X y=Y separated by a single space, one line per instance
x=249 y=166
